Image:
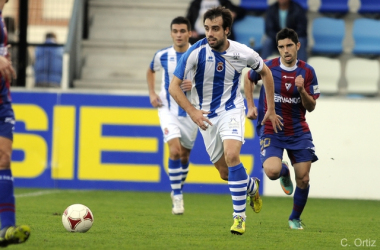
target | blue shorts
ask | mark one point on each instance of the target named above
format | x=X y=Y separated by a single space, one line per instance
x=7 y=125
x=270 y=147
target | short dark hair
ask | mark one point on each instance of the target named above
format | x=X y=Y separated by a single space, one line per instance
x=181 y=20
x=220 y=11
x=50 y=35
x=287 y=33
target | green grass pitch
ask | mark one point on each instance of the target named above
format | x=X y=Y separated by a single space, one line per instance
x=143 y=220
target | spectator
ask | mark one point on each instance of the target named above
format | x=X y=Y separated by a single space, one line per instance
x=48 y=63
x=195 y=15
x=285 y=14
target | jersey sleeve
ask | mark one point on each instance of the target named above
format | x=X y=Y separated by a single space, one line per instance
x=184 y=65
x=311 y=84
x=254 y=61
x=155 y=64
x=253 y=76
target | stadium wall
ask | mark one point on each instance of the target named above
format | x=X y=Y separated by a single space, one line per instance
x=113 y=141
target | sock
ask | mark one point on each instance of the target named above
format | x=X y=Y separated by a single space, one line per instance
x=251 y=188
x=7 y=199
x=185 y=171
x=299 y=202
x=237 y=183
x=284 y=170
x=175 y=176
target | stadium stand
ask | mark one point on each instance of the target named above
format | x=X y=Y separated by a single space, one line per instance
x=328 y=80
x=257 y=6
x=334 y=7
x=116 y=55
x=250 y=31
x=366 y=34
x=370 y=8
x=328 y=34
x=362 y=76
x=303 y=3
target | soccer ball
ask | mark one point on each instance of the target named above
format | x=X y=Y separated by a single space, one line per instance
x=77 y=218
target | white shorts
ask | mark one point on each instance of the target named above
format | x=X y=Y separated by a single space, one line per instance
x=229 y=125
x=178 y=127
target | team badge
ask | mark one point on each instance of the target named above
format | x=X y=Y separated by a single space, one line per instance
x=288 y=85
x=166 y=131
x=219 y=67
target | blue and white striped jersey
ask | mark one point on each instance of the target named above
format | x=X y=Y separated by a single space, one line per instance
x=167 y=60
x=216 y=82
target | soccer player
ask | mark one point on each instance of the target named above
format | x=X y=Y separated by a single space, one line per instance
x=296 y=90
x=9 y=232
x=217 y=105
x=178 y=128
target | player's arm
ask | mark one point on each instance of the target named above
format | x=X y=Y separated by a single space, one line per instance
x=6 y=69
x=307 y=100
x=249 y=87
x=268 y=83
x=196 y=115
x=154 y=98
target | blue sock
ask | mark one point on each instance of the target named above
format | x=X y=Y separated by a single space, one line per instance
x=175 y=176
x=237 y=182
x=185 y=171
x=299 y=202
x=284 y=170
x=7 y=199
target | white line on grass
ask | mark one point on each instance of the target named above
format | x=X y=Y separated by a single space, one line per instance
x=46 y=192
x=38 y=193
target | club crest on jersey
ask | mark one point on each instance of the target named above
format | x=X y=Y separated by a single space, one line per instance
x=236 y=56
x=166 y=131
x=219 y=67
x=288 y=85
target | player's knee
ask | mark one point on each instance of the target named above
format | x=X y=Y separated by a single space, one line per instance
x=174 y=153
x=232 y=158
x=303 y=182
x=5 y=160
x=272 y=173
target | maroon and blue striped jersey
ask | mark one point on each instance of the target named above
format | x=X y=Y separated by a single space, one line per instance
x=5 y=95
x=287 y=99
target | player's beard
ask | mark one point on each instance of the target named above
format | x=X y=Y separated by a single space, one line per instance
x=218 y=44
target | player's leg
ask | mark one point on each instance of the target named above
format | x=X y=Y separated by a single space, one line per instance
x=274 y=167
x=301 y=170
x=185 y=161
x=171 y=131
x=237 y=183
x=9 y=233
x=189 y=132
x=301 y=161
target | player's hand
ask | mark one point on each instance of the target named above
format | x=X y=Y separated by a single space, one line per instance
x=155 y=100
x=6 y=69
x=274 y=118
x=252 y=113
x=186 y=85
x=299 y=83
x=198 y=117
x=9 y=56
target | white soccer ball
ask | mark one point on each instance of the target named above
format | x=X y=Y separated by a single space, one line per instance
x=77 y=218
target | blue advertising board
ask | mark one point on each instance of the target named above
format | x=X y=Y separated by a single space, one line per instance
x=106 y=141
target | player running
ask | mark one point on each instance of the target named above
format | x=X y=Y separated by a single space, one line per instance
x=178 y=128
x=296 y=90
x=217 y=105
